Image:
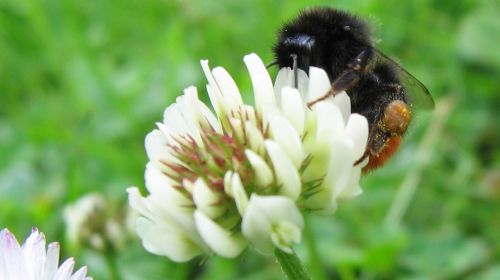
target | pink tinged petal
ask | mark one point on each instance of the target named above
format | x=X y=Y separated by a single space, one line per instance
x=262 y=84
x=80 y=274
x=52 y=262
x=227 y=86
x=223 y=242
x=357 y=129
x=329 y=120
x=65 y=270
x=34 y=253
x=166 y=241
x=4 y=253
x=286 y=174
x=206 y=200
x=284 y=134
x=343 y=101
x=263 y=174
x=12 y=264
x=272 y=221
x=292 y=108
x=255 y=138
x=319 y=84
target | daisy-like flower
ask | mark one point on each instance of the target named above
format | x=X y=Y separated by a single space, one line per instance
x=32 y=261
x=218 y=180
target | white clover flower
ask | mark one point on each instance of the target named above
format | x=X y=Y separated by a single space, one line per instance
x=88 y=222
x=32 y=261
x=218 y=180
x=85 y=219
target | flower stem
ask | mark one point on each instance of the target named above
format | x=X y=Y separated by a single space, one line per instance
x=111 y=262
x=315 y=264
x=291 y=265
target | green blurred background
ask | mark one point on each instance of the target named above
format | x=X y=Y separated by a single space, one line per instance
x=82 y=82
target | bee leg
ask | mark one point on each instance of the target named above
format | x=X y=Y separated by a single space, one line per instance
x=362 y=60
x=272 y=64
x=345 y=81
x=395 y=114
x=362 y=158
x=350 y=77
x=376 y=140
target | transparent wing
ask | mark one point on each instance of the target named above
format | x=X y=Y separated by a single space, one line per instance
x=418 y=94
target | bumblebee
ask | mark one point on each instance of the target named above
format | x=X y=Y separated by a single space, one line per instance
x=379 y=88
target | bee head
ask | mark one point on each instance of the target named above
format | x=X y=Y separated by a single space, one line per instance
x=322 y=37
x=297 y=48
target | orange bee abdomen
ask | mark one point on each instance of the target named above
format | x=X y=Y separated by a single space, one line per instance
x=377 y=160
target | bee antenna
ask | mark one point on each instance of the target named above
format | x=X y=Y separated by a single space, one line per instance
x=272 y=64
x=295 y=70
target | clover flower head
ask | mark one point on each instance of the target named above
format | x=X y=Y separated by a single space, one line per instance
x=220 y=178
x=88 y=222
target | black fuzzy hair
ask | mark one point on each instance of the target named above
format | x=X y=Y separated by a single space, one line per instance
x=323 y=37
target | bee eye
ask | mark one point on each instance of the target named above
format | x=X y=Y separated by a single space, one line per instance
x=347 y=28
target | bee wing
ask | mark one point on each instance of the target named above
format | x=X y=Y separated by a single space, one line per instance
x=419 y=95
